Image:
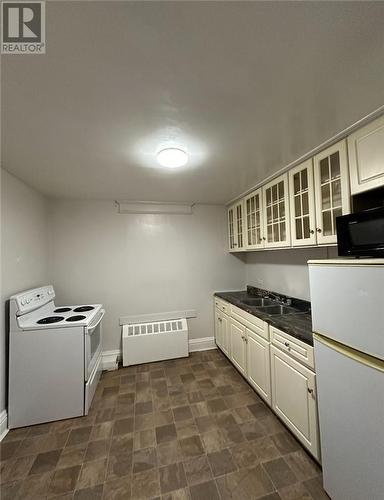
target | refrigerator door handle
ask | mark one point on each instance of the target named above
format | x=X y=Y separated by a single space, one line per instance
x=351 y=353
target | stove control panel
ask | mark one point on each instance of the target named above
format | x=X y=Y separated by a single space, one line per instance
x=31 y=299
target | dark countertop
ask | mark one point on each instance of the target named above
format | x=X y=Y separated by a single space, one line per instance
x=298 y=324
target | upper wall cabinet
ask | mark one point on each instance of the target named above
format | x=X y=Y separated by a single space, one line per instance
x=331 y=190
x=366 y=157
x=276 y=212
x=254 y=222
x=302 y=204
x=236 y=227
x=300 y=207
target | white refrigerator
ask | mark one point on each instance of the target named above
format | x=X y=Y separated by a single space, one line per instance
x=347 y=297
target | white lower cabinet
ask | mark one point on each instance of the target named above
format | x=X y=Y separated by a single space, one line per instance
x=225 y=325
x=218 y=328
x=258 y=364
x=281 y=372
x=238 y=346
x=222 y=332
x=294 y=398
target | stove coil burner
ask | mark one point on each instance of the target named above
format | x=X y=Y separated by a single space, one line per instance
x=50 y=319
x=62 y=310
x=79 y=317
x=82 y=309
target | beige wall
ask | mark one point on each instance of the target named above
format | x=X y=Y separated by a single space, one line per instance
x=138 y=264
x=284 y=271
x=24 y=246
x=133 y=264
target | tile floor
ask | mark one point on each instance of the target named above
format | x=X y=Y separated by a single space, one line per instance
x=181 y=429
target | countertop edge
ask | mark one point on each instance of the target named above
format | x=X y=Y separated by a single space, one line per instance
x=306 y=336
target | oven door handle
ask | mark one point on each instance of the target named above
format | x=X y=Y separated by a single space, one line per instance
x=91 y=327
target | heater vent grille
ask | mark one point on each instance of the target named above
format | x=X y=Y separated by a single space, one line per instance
x=154 y=341
x=153 y=328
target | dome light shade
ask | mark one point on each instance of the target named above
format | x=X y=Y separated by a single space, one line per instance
x=172 y=157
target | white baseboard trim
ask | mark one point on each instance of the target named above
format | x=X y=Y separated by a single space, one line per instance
x=110 y=359
x=3 y=424
x=203 y=344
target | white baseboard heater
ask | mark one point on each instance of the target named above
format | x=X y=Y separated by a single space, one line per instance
x=155 y=341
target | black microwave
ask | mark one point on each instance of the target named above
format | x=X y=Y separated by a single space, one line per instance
x=361 y=234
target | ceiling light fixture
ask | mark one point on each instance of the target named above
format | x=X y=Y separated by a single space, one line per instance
x=172 y=157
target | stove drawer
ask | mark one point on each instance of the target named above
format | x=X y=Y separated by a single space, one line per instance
x=91 y=385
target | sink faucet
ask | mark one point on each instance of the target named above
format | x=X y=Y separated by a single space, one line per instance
x=278 y=298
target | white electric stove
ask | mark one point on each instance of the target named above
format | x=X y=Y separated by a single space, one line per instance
x=54 y=357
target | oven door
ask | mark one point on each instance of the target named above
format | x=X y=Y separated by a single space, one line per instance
x=93 y=344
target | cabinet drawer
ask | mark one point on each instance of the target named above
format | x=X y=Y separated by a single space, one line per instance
x=296 y=348
x=252 y=322
x=91 y=385
x=222 y=305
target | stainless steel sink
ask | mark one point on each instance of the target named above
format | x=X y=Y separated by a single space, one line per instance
x=258 y=301
x=277 y=309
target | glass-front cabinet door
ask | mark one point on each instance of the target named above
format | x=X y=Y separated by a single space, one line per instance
x=231 y=228
x=332 y=195
x=302 y=204
x=236 y=227
x=254 y=223
x=276 y=212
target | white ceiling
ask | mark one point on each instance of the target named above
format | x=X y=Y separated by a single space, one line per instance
x=246 y=87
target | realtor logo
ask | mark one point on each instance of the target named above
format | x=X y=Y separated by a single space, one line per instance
x=23 y=27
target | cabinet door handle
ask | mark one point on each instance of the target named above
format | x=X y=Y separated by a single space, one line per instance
x=310 y=390
x=287 y=345
x=264 y=238
x=318 y=230
x=312 y=231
